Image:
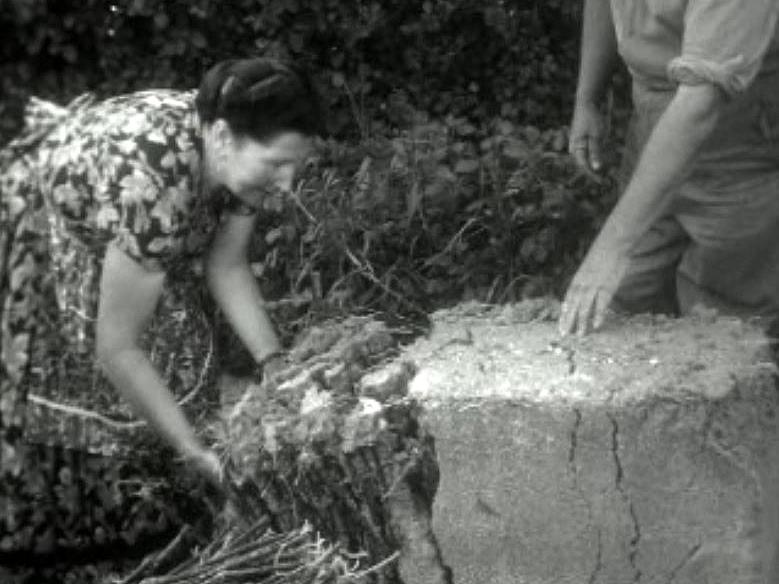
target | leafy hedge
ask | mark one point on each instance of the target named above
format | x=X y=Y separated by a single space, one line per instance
x=447 y=177
x=374 y=58
x=432 y=217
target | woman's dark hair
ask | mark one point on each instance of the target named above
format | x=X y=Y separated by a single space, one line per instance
x=259 y=98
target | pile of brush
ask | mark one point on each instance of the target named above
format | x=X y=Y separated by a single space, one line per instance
x=247 y=555
x=330 y=473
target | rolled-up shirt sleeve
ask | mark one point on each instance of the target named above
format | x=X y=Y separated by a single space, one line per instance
x=724 y=42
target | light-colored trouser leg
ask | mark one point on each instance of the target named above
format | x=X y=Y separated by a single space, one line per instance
x=732 y=263
x=650 y=282
x=718 y=249
x=719 y=244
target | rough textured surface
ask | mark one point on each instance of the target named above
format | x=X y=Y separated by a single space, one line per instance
x=331 y=437
x=645 y=453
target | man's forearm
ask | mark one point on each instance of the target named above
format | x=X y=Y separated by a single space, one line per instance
x=236 y=290
x=598 y=51
x=670 y=151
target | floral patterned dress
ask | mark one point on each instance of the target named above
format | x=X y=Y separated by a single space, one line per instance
x=124 y=172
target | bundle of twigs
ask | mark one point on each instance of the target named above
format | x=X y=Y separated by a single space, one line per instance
x=327 y=442
x=253 y=554
x=330 y=437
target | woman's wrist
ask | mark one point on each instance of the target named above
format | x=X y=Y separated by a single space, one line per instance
x=272 y=363
x=262 y=357
x=189 y=447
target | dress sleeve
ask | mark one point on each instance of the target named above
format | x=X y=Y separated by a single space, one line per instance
x=143 y=229
x=150 y=181
x=724 y=42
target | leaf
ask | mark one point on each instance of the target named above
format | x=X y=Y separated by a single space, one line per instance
x=309 y=236
x=560 y=141
x=413 y=201
x=465 y=129
x=296 y=42
x=516 y=149
x=199 y=41
x=70 y=54
x=444 y=173
x=290 y=232
x=532 y=134
x=337 y=59
x=528 y=248
x=137 y=7
x=467 y=166
x=337 y=79
x=505 y=127
x=274 y=235
x=161 y=20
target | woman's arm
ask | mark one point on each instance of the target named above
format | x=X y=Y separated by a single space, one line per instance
x=672 y=147
x=235 y=288
x=128 y=298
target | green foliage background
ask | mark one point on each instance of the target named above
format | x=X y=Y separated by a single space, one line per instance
x=477 y=58
x=446 y=177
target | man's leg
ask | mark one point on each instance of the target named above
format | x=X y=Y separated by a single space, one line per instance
x=650 y=284
x=732 y=263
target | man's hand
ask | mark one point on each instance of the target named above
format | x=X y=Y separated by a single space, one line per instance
x=588 y=129
x=592 y=289
x=676 y=139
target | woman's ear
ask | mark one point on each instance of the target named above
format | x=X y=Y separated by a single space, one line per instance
x=219 y=137
x=222 y=136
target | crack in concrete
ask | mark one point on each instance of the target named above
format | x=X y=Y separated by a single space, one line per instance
x=685 y=560
x=619 y=478
x=570 y=356
x=574 y=439
x=569 y=352
x=468 y=340
x=590 y=512
x=714 y=441
x=598 y=560
x=708 y=421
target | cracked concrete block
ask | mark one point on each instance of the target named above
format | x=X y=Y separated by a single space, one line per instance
x=648 y=452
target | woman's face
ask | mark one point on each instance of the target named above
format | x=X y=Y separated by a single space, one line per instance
x=250 y=168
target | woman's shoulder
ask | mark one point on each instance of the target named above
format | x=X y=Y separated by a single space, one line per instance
x=128 y=164
x=137 y=113
x=142 y=126
x=151 y=101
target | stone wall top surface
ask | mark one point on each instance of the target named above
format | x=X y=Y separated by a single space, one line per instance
x=514 y=352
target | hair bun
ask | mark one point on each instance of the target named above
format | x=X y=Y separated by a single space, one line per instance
x=238 y=90
x=256 y=79
x=277 y=84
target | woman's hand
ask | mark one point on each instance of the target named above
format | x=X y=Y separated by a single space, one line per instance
x=593 y=287
x=274 y=364
x=206 y=463
x=585 y=144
